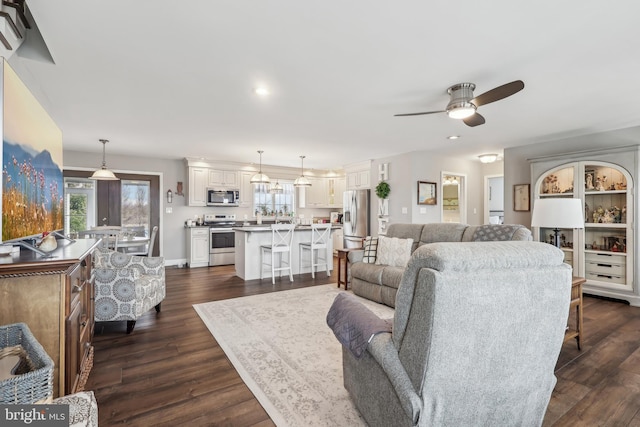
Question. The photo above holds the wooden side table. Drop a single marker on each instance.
(343, 258)
(576, 303)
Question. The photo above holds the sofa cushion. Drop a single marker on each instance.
(370, 247)
(393, 251)
(368, 272)
(391, 276)
(442, 232)
(406, 231)
(496, 232)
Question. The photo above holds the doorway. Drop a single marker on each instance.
(494, 199)
(454, 197)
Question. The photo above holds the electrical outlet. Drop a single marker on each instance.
(404, 210)
(423, 210)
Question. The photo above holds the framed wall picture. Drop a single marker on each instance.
(521, 198)
(427, 193)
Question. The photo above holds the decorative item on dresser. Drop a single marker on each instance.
(55, 298)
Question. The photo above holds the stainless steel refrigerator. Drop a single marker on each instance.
(355, 217)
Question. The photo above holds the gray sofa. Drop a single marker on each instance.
(380, 282)
(475, 339)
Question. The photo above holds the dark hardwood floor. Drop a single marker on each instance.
(171, 372)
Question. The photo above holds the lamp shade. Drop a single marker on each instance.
(557, 213)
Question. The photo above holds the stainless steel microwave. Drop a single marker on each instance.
(222, 197)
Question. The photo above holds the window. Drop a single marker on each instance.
(270, 204)
(79, 209)
(134, 215)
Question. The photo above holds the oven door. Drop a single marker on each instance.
(222, 249)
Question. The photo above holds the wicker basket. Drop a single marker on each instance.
(33, 386)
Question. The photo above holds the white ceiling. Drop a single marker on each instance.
(175, 79)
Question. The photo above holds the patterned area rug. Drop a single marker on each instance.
(284, 351)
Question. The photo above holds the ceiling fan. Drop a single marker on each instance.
(463, 104)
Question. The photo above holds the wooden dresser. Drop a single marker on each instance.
(55, 298)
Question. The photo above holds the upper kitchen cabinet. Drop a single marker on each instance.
(359, 176)
(198, 181)
(359, 180)
(603, 251)
(246, 189)
(336, 188)
(323, 193)
(222, 178)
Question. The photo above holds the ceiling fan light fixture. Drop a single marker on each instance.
(301, 181)
(488, 158)
(461, 110)
(260, 178)
(104, 174)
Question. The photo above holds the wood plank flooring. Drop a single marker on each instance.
(171, 372)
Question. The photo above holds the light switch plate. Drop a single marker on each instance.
(423, 210)
(404, 210)
(168, 210)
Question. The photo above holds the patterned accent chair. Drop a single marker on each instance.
(127, 286)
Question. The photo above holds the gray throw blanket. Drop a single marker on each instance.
(495, 232)
(354, 324)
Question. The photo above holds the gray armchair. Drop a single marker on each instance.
(127, 286)
(477, 332)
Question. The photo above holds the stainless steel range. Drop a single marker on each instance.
(222, 248)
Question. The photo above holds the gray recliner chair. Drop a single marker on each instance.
(477, 331)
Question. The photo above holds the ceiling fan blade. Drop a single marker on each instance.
(498, 93)
(475, 120)
(419, 114)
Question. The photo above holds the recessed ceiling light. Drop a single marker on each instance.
(261, 91)
(453, 137)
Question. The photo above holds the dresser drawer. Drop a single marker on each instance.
(609, 278)
(606, 268)
(597, 257)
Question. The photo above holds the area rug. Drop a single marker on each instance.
(284, 351)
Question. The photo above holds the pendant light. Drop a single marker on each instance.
(301, 181)
(260, 178)
(277, 188)
(104, 174)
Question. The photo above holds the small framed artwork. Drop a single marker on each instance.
(427, 193)
(521, 198)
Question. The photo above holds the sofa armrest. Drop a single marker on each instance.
(385, 353)
(355, 255)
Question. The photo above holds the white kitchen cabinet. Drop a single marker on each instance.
(221, 178)
(246, 189)
(603, 251)
(323, 193)
(198, 247)
(316, 195)
(197, 190)
(335, 190)
(359, 180)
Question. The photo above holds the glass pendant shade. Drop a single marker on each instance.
(260, 178)
(104, 174)
(277, 188)
(301, 181)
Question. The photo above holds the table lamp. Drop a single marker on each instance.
(557, 213)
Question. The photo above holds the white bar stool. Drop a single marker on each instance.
(320, 235)
(281, 241)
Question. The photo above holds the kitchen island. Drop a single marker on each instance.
(249, 238)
